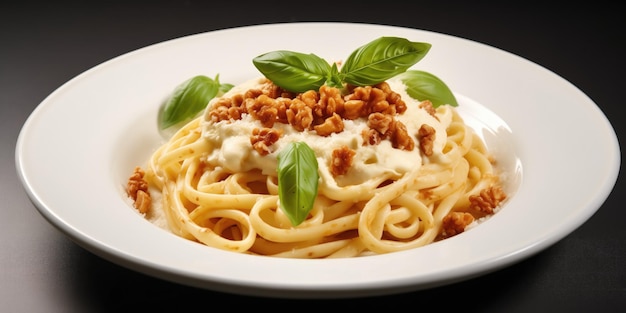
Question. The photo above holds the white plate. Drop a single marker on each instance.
(79, 146)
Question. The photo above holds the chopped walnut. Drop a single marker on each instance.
(353, 109)
(426, 135)
(253, 93)
(428, 106)
(379, 122)
(400, 138)
(367, 100)
(388, 127)
(333, 124)
(371, 137)
(341, 160)
(228, 109)
(455, 223)
(143, 202)
(263, 108)
(299, 115)
(363, 101)
(137, 190)
(487, 200)
(310, 98)
(330, 101)
(263, 138)
(273, 91)
(378, 101)
(393, 98)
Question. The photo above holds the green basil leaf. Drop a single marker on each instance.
(422, 86)
(382, 59)
(297, 181)
(188, 98)
(224, 88)
(334, 79)
(293, 71)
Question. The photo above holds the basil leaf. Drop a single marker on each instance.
(421, 86)
(188, 98)
(293, 71)
(297, 181)
(334, 79)
(382, 59)
(224, 88)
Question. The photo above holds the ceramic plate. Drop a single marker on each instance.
(559, 153)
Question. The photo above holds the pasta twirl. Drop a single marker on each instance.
(394, 173)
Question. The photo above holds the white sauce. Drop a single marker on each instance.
(233, 151)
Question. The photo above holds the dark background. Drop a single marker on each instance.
(43, 45)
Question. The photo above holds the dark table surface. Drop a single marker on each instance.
(43, 45)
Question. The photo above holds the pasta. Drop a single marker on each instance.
(394, 173)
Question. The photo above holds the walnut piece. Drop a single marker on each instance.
(428, 106)
(426, 135)
(263, 138)
(137, 190)
(487, 200)
(455, 222)
(341, 160)
(333, 124)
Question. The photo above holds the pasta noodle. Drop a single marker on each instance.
(395, 173)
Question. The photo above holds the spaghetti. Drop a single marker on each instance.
(394, 173)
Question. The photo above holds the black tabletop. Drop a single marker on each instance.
(43, 45)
